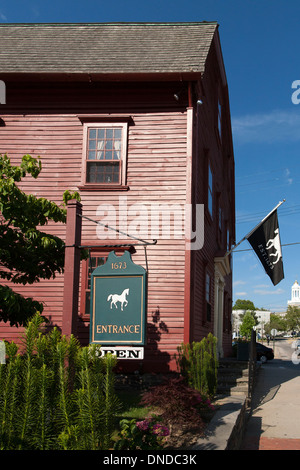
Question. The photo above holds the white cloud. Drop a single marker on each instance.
(2, 17)
(287, 174)
(275, 126)
(240, 294)
(269, 291)
(238, 283)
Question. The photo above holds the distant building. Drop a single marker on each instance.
(263, 317)
(295, 301)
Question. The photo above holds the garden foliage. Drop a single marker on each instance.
(56, 394)
(141, 435)
(27, 253)
(198, 364)
(177, 401)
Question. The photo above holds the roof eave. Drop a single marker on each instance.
(100, 77)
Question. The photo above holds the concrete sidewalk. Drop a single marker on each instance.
(274, 423)
(226, 427)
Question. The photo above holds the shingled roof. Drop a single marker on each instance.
(105, 48)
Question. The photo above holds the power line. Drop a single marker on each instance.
(266, 172)
(290, 210)
(250, 249)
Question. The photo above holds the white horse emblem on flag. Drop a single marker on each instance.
(115, 298)
(275, 243)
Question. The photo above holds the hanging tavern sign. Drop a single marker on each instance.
(118, 302)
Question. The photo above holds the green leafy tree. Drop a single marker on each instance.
(277, 323)
(247, 324)
(293, 318)
(241, 304)
(27, 254)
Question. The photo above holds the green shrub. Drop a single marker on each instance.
(56, 394)
(141, 435)
(178, 402)
(198, 364)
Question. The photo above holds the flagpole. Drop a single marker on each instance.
(253, 230)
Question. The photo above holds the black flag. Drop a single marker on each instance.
(265, 241)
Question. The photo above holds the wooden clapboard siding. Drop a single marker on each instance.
(152, 157)
(57, 139)
(160, 149)
(156, 176)
(169, 145)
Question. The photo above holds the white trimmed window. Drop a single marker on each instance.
(104, 154)
(210, 191)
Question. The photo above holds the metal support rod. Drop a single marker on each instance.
(119, 231)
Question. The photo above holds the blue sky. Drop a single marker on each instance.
(260, 42)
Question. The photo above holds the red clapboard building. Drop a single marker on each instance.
(136, 118)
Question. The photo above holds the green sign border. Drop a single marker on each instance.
(121, 267)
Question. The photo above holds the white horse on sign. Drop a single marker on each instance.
(115, 298)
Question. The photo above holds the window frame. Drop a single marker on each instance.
(210, 199)
(123, 159)
(220, 112)
(208, 299)
(84, 279)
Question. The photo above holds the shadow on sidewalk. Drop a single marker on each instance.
(252, 437)
(271, 377)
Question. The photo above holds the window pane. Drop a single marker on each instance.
(101, 134)
(210, 204)
(87, 302)
(103, 172)
(109, 133)
(209, 177)
(210, 191)
(92, 133)
(207, 288)
(109, 145)
(118, 134)
(94, 262)
(92, 155)
(91, 176)
(92, 144)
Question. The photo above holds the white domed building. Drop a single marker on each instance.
(295, 301)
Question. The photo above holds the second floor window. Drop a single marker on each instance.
(105, 154)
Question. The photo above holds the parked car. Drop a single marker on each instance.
(263, 353)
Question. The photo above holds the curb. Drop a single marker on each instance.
(226, 429)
